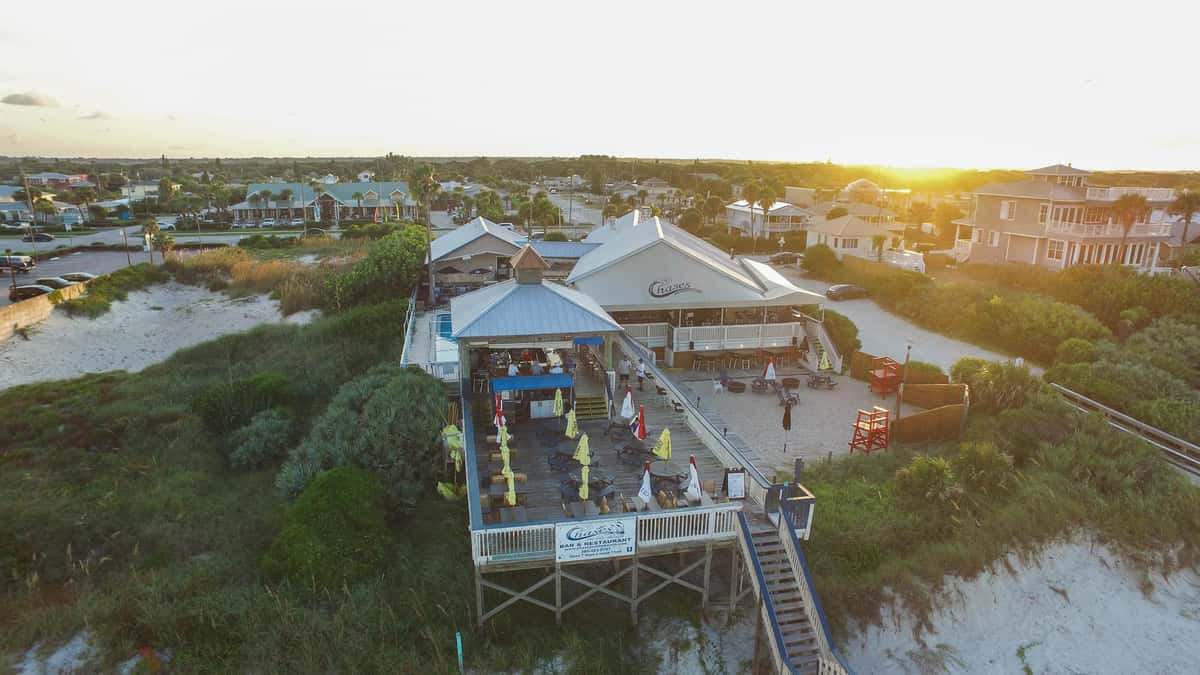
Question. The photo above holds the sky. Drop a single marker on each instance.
(1012, 84)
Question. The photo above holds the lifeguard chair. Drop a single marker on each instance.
(870, 430)
(885, 375)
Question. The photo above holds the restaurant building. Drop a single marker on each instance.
(683, 298)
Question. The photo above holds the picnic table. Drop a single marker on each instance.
(668, 472)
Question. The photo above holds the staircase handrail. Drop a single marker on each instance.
(760, 584)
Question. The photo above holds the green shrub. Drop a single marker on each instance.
(226, 406)
(819, 260)
(982, 467)
(556, 236)
(1021, 432)
(995, 386)
(268, 241)
(1180, 417)
(387, 421)
(371, 230)
(920, 372)
(390, 270)
(105, 290)
(1075, 350)
(333, 534)
(262, 441)
(843, 332)
(927, 480)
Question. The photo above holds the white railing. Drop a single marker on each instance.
(1115, 193)
(1108, 229)
(409, 324)
(822, 335)
(748, 336)
(650, 334)
(830, 660)
(655, 529)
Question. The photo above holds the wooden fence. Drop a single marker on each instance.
(930, 396)
(939, 424)
(860, 366)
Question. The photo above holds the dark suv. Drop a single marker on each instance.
(21, 263)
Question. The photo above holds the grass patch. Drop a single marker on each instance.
(238, 271)
(102, 292)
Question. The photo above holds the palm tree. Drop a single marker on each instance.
(266, 197)
(423, 185)
(750, 194)
(766, 199)
(877, 242)
(286, 195)
(358, 197)
(713, 206)
(316, 192)
(641, 195)
(254, 200)
(45, 208)
(1128, 209)
(150, 227)
(86, 196)
(1186, 204)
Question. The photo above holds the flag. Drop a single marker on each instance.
(558, 403)
(572, 424)
(646, 493)
(627, 404)
(769, 370)
(694, 491)
(662, 449)
(584, 475)
(498, 419)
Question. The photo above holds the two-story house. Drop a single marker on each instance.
(1055, 219)
(781, 217)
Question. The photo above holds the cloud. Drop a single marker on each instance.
(93, 116)
(172, 118)
(30, 98)
(12, 139)
(177, 147)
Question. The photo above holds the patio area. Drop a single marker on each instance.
(535, 443)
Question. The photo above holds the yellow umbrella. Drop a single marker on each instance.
(454, 442)
(583, 453)
(502, 436)
(510, 497)
(507, 470)
(558, 404)
(572, 424)
(662, 449)
(583, 483)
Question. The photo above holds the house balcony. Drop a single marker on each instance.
(1111, 194)
(1108, 230)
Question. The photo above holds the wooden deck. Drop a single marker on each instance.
(535, 441)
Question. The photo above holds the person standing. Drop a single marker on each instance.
(641, 373)
(623, 370)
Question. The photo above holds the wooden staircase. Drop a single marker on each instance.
(799, 640)
(590, 408)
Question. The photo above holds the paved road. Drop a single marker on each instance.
(96, 262)
(885, 334)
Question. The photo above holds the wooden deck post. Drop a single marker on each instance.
(633, 592)
(558, 604)
(478, 597)
(735, 579)
(708, 551)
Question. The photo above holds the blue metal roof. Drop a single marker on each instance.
(562, 249)
(510, 309)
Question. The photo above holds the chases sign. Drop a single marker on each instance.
(663, 288)
(594, 540)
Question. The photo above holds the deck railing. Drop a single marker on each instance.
(493, 544)
(766, 608)
(747, 336)
(649, 334)
(409, 324)
(831, 660)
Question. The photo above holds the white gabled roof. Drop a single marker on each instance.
(511, 309)
(744, 206)
(605, 232)
(452, 241)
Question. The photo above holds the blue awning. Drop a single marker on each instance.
(592, 340)
(527, 382)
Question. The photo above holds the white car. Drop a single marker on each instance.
(298, 221)
(166, 226)
(242, 226)
(267, 222)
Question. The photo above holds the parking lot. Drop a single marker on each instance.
(96, 262)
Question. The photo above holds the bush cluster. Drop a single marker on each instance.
(262, 441)
(920, 372)
(226, 406)
(103, 291)
(995, 385)
(390, 270)
(334, 533)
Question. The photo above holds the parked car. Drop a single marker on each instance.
(783, 258)
(78, 276)
(845, 292)
(55, 282)
(242, 226)
(267, 222)
(314, 232)
(19, 293)
(22, 263)
(14, 226)
(37, 236)
(166, 224)
(299, 222)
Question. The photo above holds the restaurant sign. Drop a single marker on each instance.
(595, 539)
(663, 288)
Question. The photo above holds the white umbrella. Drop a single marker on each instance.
(627, 404)
(646, 493)
(693, 489)
(769, 371)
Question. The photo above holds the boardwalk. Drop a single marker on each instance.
(543, 499)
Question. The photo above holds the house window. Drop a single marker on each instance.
(849, 243)
(1043, 214)
(1055, 249)
(994, 238)
(977, 236)
(1008, 209)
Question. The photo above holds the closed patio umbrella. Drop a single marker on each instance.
(646, 493)
(572, 424)
(662, 449)
(769, 370)
(558, 403)
(694, 491)
(824, 363)
(583, 453)
(638, 425)
(584, 475)
(510, 495)
(787, 423)
(498, 419)
(454, 443)
(627, 404)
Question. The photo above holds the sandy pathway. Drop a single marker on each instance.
(141, 331)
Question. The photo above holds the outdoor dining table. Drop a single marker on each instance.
(669, 472)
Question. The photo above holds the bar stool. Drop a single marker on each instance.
(745, 361)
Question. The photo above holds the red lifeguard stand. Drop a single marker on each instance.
(885, 375)
(870, 430)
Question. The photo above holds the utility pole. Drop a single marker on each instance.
(128, 258)
(12, 269)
